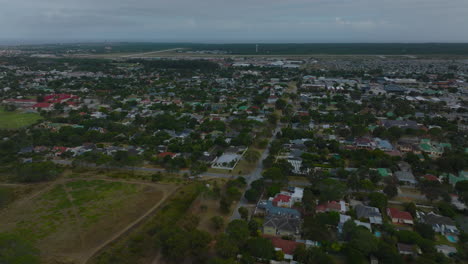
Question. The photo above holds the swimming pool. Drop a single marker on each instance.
(451, 238)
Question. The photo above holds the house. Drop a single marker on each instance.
(430, 177)
(453, 179)
(297, 194)
(368, 212)
(446, 250)
(440, 224)
(271, 210)
(164, 154)
(400, 217)
(286, 246)
(384, 172)
(282, 200)
(42, 106)
(272, 99)
(406, 249)
(364, 143)
(399, 123)
(393, 88)
(281, 226)
(406, 177)
(333, 206)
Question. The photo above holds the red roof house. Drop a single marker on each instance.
(282, 200)
(42, 106)
(332, 206)
(431, 177)
(400, 217)
(164, 154)
(287, 246)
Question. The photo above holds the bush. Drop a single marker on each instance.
(37, 172)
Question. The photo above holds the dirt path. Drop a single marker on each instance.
(166, 194)
(165, 189)
(76, 214)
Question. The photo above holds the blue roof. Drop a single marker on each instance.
(273, 210)
(384, 144)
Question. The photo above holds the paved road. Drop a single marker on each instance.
(139, 55)
(254, 175)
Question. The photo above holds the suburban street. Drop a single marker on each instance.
(254, 175)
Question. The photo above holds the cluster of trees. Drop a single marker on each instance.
(232, 193)
(37, 172)
(256, 188)
(242, 237)
(184, 241)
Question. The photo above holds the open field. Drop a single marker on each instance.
(139, 244)
(16, 120)
(72, 218)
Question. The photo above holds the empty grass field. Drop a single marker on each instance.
(16, 120)
(73, 218)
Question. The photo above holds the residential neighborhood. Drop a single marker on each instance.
(293, 160)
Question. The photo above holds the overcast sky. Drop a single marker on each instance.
(235, 20)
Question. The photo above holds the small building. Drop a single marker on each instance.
(440, 224)
(281, 226)
(333, 206)
(406, 249)
(446, 250)
(400, 217)
(406, 177)
(368, 212)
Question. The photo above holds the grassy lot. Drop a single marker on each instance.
(16, 120)
(72, 218)
(140, 246)
(80, 172)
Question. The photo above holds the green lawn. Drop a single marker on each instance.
(16, 120)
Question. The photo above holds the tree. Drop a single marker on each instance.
(199, 241)
(424, 230)
(217, 222)
(37, 171)
(224, 205)
(378, 200)
(446, 209)
(331, 190)
(238, 231)
(410, 208)
(275, 174)
(16, 250)
(261, 248)
(226, 247)
(387, 253)
(252, 156)
(252, 195)
(390, 190)
(280, 104)
(244, 213)
(363, 240)
(311, 255)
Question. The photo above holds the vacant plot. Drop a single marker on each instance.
(206, 206)
(16, 120)
(141, 244)
(74, 217)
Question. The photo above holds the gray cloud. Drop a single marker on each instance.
(236, 21)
